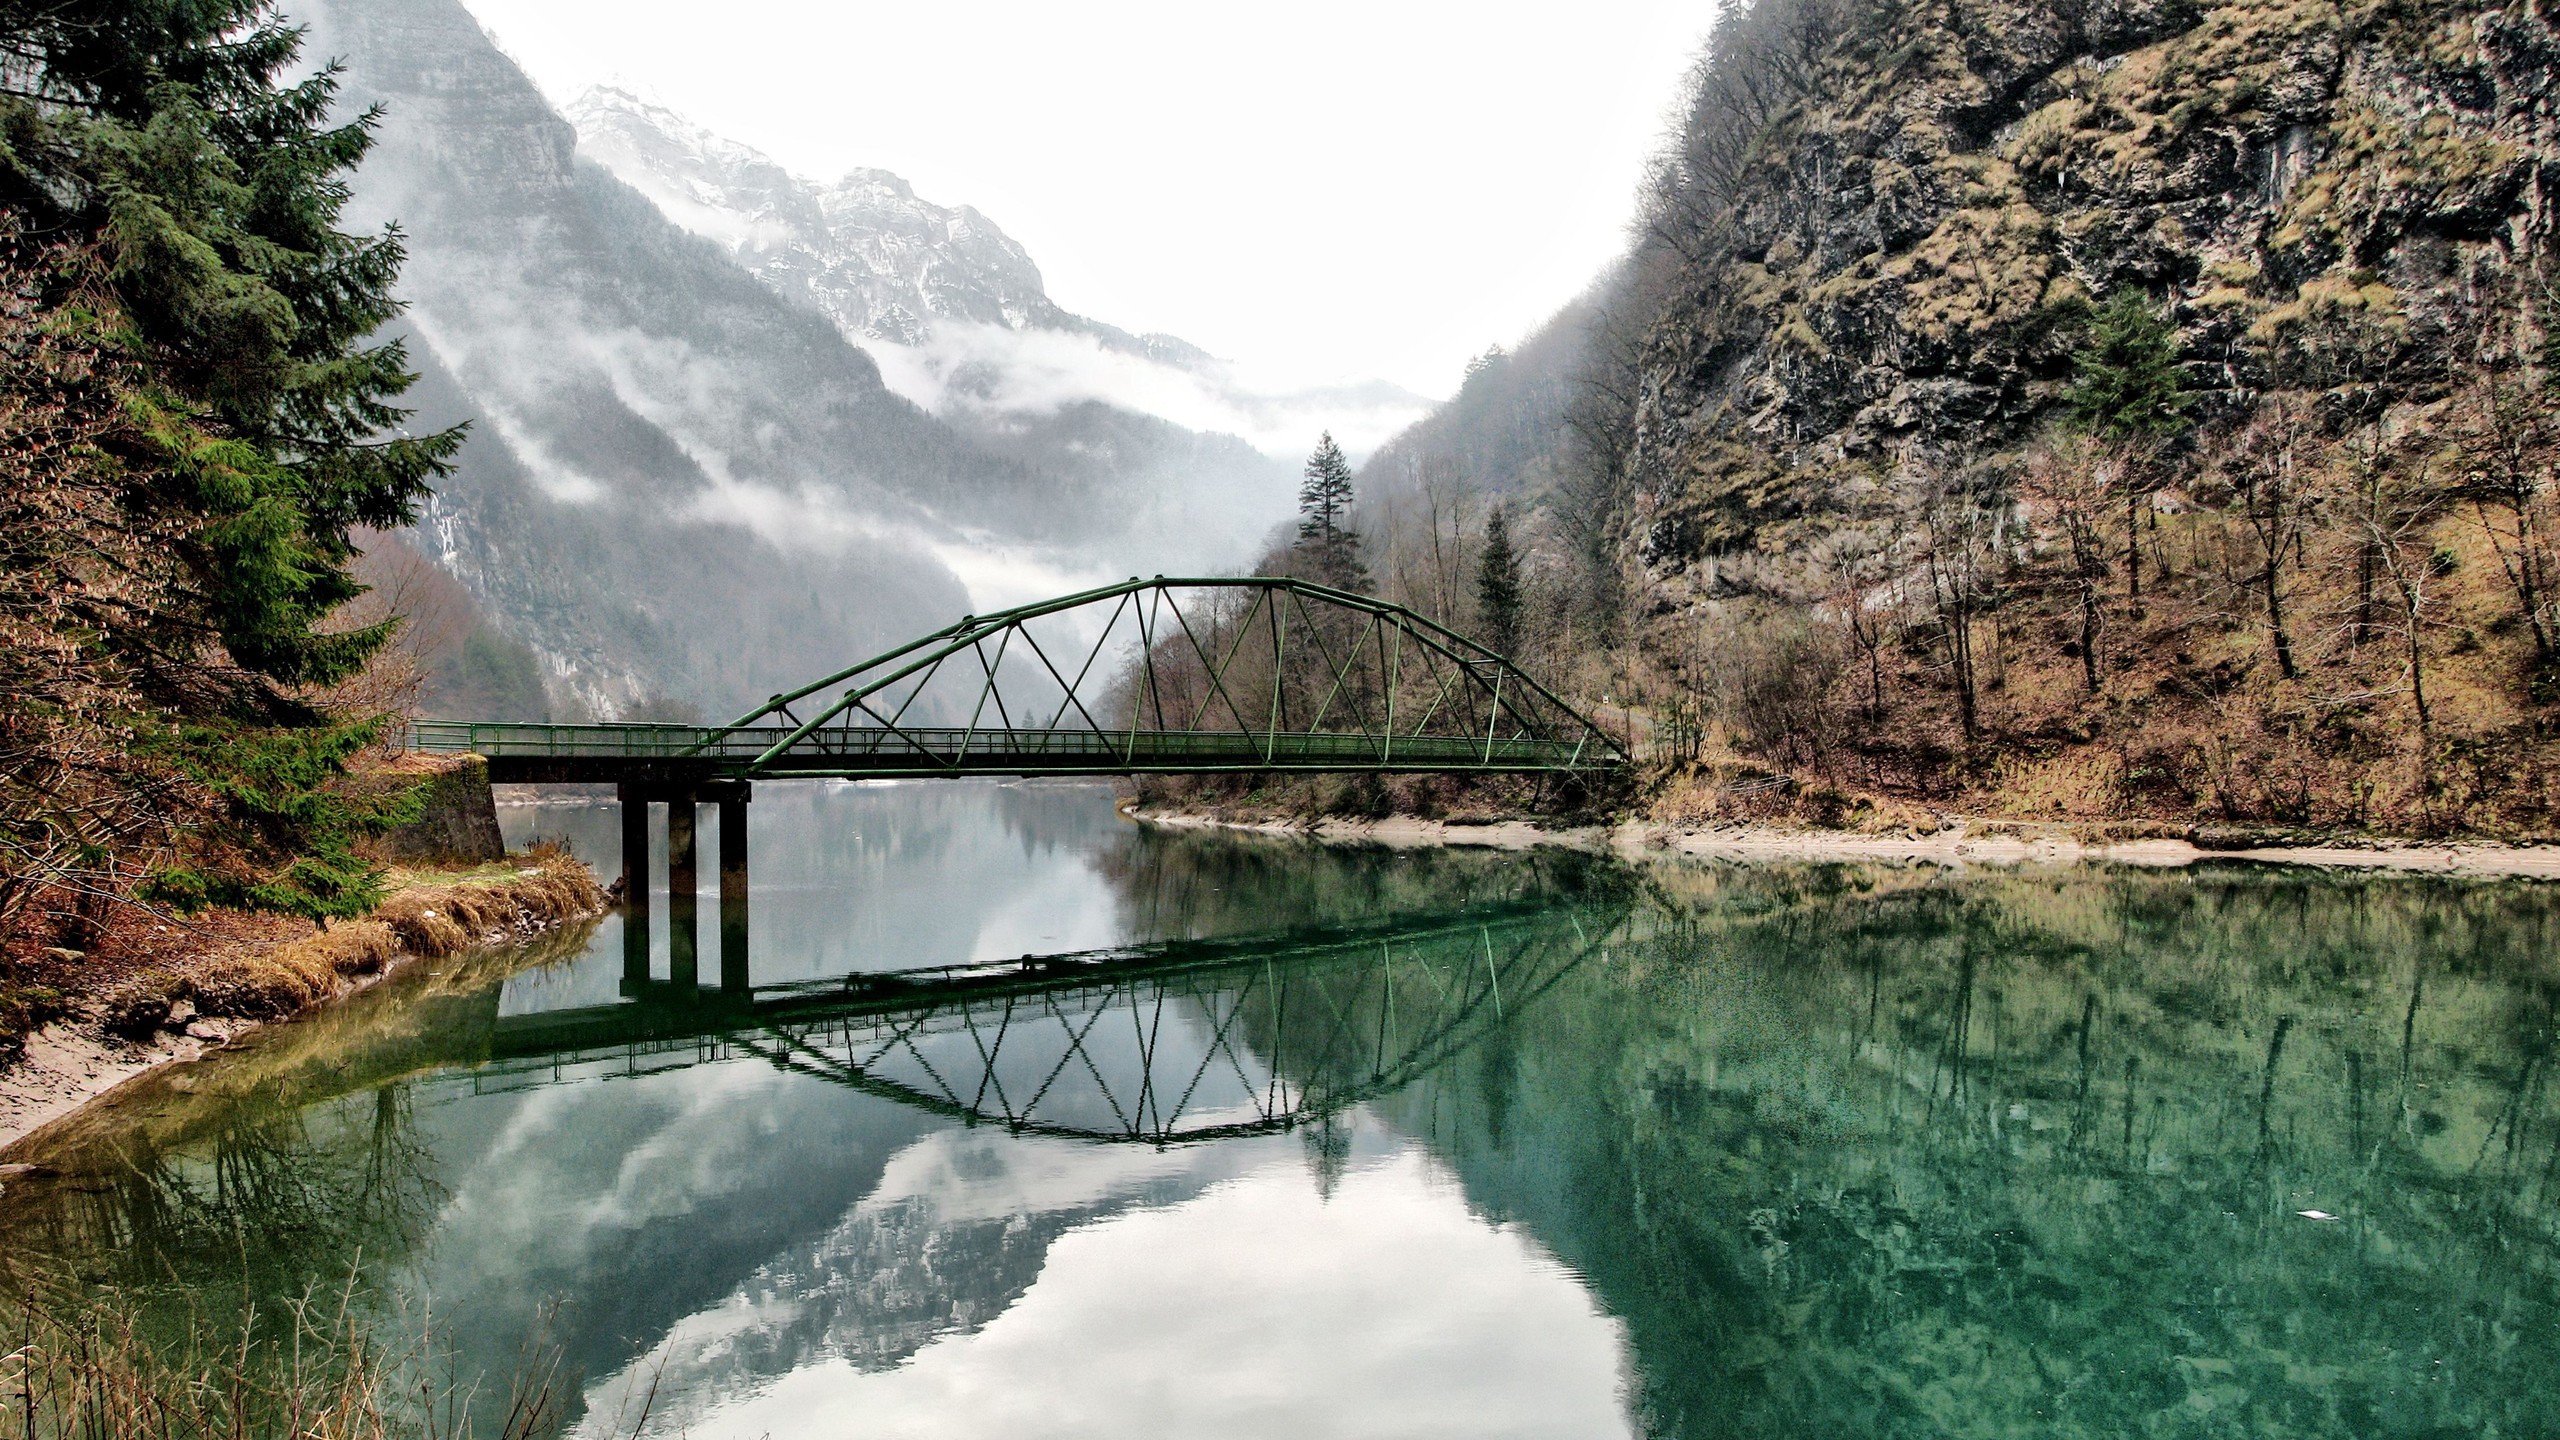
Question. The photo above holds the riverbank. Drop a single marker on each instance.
(167, 991)
(1963, 842)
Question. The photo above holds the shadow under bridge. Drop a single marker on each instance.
(1169, 1043)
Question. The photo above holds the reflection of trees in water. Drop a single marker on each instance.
(2022, 1153)
(265, 1211)
(1172, 882)
(270, 1172)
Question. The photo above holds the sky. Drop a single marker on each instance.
(1320, 192)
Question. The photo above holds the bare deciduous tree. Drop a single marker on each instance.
(2075, 487)
(1961, 533)
(2263, 471)
(2510, 451)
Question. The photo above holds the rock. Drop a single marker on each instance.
(181, 1013)
(459, 820)
(213, 1030)
(1834, 300)
(65, 953)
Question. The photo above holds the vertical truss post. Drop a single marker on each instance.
(1388, 670)
(1279, 680)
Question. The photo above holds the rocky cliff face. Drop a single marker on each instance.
(1857, 525)
(1884, 268)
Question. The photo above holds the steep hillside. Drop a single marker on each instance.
(1885, 248)
(2081, 410)
(677, 489)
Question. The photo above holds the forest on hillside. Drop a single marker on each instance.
(2055, 411)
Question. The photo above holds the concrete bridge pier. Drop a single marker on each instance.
(684, 971)
(683, 801)
(733, 797)
(634, 801)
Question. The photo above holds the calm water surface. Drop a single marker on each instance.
(1401, 1144)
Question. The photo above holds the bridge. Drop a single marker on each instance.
(1261, 675)
(1162, 676)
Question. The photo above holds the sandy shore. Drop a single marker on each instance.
(69, 1063)
(2004, 844)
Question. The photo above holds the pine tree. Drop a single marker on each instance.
(2128, 390)
(1327, 545)
(168, 220)
(2126, 386)
(1498, 587)
(160, 138)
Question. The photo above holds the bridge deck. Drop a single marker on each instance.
(563, 753)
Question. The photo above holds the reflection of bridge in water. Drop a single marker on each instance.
(1162, 1044)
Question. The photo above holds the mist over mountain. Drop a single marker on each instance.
(953, 309)
(687, 487)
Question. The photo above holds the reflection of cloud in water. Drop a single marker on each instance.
(540, 1200)
(970, 1175)
(1204, 1291)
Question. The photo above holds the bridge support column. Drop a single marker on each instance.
(734, 976)
(683, 971)
(635, 886)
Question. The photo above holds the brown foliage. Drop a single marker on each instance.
(84, 805)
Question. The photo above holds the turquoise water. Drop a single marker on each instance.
(1441, 1142)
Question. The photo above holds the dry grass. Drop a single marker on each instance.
(79, 1367)
(430, 916)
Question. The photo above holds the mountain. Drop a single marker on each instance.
(864, 250)
(686, 488)
(954, 309)
(678, 490)
(2083, 410)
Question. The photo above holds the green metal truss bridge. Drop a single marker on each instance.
(1171, 677)
(1161, 676)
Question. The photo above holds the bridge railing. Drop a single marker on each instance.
(954, 748)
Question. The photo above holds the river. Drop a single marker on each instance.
(1441, 1142)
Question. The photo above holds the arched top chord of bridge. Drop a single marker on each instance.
(1161, 676)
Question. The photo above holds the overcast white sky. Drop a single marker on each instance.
(1325, 190)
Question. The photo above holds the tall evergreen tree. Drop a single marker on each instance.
(2128, 390)
(169, 200)
(1327, 545)
(1498, 586)
(2126, 384)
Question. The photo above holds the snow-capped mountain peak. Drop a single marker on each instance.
(952, 308)
(882, 262)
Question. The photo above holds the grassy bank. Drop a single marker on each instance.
(155, 988)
